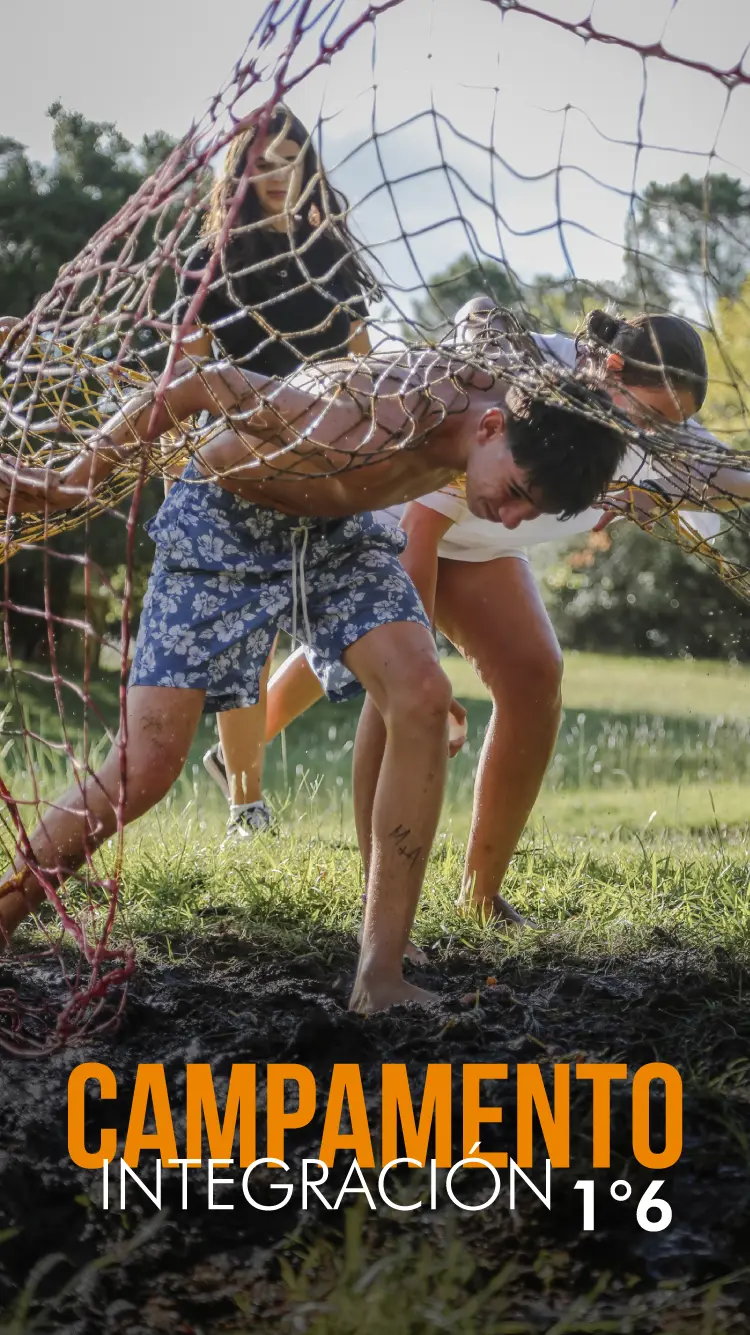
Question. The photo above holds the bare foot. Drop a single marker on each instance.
(412, 953)
(18, 899)
(8, 924)
(12, 911)
(497, 909)
(369, 997)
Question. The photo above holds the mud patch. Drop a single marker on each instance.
(222, 1000)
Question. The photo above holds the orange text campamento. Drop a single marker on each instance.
(408, 1118)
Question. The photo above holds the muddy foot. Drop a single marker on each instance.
(369, 997)
(16, 903)
(412, 953)
(8, 920)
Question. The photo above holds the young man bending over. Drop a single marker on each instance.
(249, 536)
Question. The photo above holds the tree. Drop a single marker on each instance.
(561, 304)
(688, 238)
(465, 278)
(546, 302)
(625, 591)
(728, 355)
(47, 214)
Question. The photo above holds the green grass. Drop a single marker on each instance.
(670, 687)
(644, 762)
(383, 1280)
(644, 744)
(181, 882)
(590, 896)
(643, 816)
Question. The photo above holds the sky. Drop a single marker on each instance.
(474, 110)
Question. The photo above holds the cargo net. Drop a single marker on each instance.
(551, 159)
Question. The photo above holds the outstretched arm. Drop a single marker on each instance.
(718, 483)
(273, 434)
(424, 528)
(728, 488)
(133, 429)
(696, 488)
(304, 445)
(686, 483)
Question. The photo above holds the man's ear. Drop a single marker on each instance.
(492, 424)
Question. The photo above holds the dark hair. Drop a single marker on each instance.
(566, 439)
(323, 210)
(656, 350)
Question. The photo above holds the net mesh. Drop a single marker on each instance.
(504, 165)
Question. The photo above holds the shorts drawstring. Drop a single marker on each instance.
(298, 580)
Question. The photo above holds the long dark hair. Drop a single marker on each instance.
(656, 350)
(321, 220)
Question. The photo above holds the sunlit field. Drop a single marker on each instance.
(643, 816)
(644, 745)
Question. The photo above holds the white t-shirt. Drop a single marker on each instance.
(474, 539)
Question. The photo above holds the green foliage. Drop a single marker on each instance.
(458, 283)
(392, 1281)
(357, 1289)
(49, 212)
(689, 235)
(545, 303)
(553, 305)
(636, 594)
(728, 354)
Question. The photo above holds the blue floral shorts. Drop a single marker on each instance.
(228, 574)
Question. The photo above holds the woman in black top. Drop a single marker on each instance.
(287, 287)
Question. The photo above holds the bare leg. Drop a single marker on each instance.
(398, 666)
(292, 689)
(369, 746)
(493, 613)
(242, 733)
(161, 724)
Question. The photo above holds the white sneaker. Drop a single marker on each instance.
(253, 819)
(213, 763)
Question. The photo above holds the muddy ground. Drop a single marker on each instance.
(222, 1001)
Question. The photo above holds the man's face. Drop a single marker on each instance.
(496, 488)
